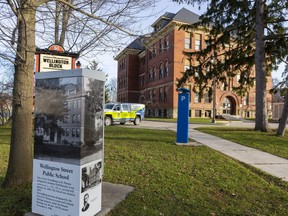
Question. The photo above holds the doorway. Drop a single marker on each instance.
(229, 105)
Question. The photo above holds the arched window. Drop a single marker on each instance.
(166, 69)
(161, 72)
(154, 73)
(150, 75)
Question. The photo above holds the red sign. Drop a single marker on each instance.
(57, 48)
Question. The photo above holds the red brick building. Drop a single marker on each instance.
(147, 74)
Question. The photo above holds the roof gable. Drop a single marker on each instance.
(183, 15)
(186, 16)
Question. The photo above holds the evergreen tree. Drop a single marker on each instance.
(94, 65)
(243, 35)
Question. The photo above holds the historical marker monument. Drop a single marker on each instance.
(68, 149)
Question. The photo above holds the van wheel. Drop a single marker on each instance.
(108, 121)
(122, 123)
(137, 120)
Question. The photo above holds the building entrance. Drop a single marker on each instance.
(229, 105)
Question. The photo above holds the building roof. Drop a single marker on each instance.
(183, 15)
(186, 16)
(136, 44)
(167, 16)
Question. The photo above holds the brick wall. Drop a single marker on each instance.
(141, 85)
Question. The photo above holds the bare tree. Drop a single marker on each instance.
(282, 87)
(6, 87)
(94, 65)
(112, 85)
(82, 26)
(89, 27)
(5, 100)
(5, 108)
(284, 118)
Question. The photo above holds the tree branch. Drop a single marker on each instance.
(96, 17)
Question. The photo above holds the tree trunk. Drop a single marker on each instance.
(57, 15)
(283, 119)
(20, 159)
(66, 12)
(261, 121)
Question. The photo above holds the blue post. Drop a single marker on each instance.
(183, 115)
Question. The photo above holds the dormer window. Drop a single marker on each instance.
(156, 28)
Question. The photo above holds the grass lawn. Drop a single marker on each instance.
(267, 142)
(16, 201)
(175, 180)
(169, 179)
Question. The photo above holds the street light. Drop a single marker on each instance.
(78, 65)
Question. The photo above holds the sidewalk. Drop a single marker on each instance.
(266, 162)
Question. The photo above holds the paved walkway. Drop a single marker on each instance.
(266, 162)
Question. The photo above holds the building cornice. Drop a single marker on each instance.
(127, 51)
(160, 33)
(142, 54)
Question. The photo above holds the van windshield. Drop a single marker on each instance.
(109, 106)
